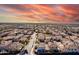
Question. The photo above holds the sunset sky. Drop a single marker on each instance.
(39, 13)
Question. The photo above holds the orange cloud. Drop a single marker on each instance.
(41, 12)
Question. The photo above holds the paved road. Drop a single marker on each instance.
(31, 43)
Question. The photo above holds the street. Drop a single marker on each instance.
(31, 43)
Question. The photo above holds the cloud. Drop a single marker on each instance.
(42, 12)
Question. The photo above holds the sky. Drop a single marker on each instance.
(39, 13)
